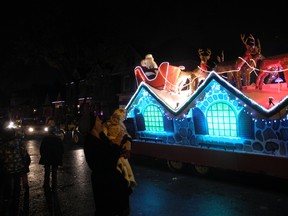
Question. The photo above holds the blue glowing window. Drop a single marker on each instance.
(221, 120)
(153, 119)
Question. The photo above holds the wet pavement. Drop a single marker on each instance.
(74, 195)
(159, 192)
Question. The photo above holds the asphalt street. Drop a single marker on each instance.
(159, 192)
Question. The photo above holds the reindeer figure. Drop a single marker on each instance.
(251, 65)
(232, 69)
(270, 66)
(196, 76)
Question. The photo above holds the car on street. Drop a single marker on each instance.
(33, 127)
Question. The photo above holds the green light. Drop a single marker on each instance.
(153, 119)
(221, 120)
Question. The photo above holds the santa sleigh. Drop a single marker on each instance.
(165, 79)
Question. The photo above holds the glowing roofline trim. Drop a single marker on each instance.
(213, 76)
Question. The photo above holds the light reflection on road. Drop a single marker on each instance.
(159, 191)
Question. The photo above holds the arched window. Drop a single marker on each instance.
(153, 118)
(221, 120)
(199, 122)
(247, 126)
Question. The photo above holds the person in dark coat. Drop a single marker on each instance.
(51, 152)
(14, 164)
(110, 188)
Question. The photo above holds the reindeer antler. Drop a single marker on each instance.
(251, 47)
(200, 52)
(245, 42)
(259, 46)
(204, 58)
(209, 54)
(221, 59)
(252, 40)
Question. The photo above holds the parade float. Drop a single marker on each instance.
(212, 122)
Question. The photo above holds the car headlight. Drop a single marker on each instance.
(46, 129)
(11, 124)
(30, 129)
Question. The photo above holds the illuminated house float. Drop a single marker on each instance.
(216, 126)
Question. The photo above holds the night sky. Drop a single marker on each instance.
(170, 31)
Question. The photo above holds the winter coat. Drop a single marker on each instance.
(14, 157)
(110, 188)
(51, 151)
(101, 154)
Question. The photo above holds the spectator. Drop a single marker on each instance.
(111, 190)
(14, 162)
(51, 152)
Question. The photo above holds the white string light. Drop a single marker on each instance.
(223, 72)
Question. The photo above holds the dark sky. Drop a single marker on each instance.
(171, 31)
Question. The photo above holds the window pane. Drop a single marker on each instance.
(221, 120)
(153, 119)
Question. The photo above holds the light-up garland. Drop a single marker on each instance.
(264, 109)
(191, 81)
(229, 71)
(215, 89)
(253, 68)
(255, 104)
(144, 100)
(236, 105)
